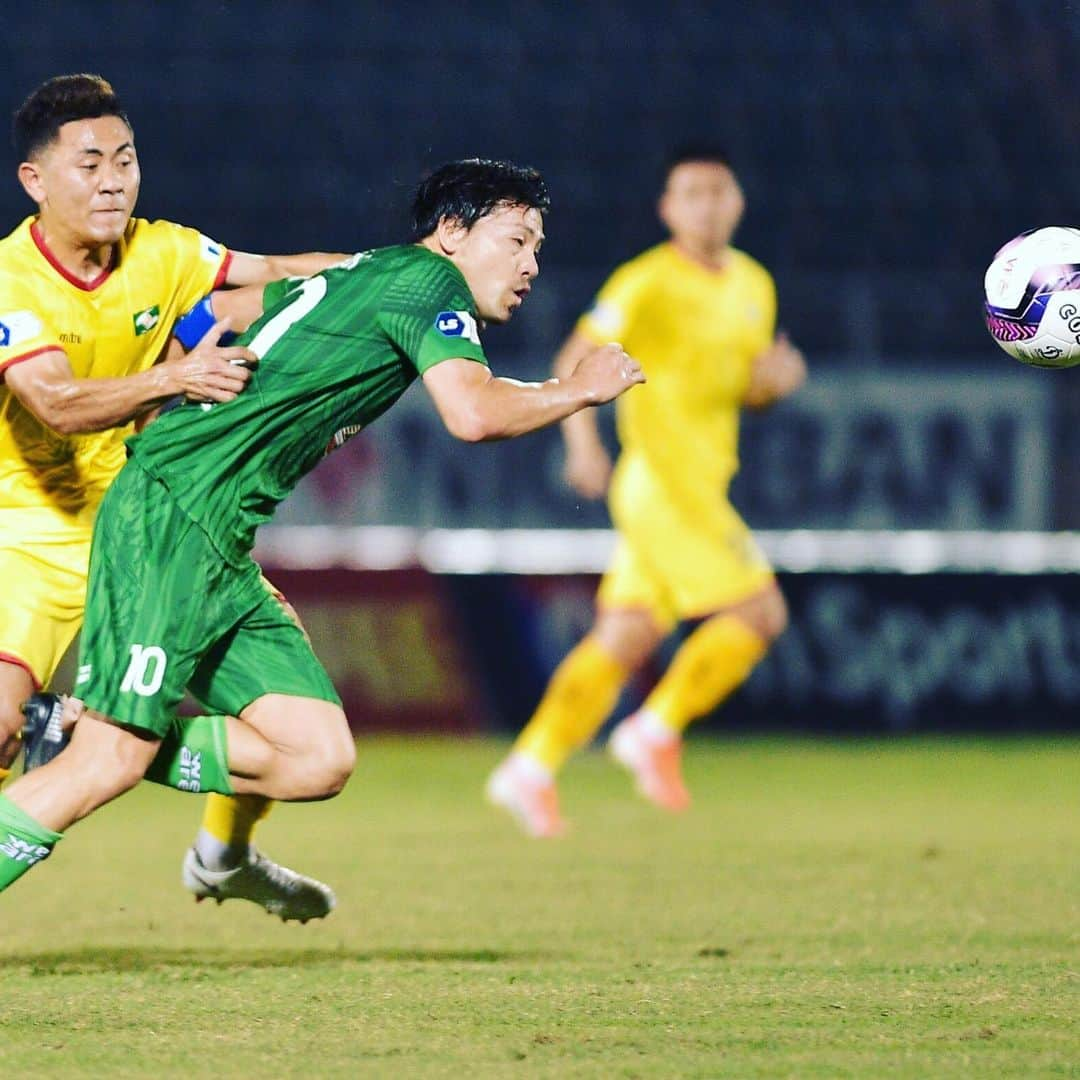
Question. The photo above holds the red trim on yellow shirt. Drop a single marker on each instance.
(86, 286)
(8, 658)
(223, 273)
(26, 356)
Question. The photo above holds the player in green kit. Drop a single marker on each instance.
(175, 599)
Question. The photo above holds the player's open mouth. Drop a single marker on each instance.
(522, 293)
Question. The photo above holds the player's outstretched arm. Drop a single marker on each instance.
(587, 468)
(46, 385)
(477, 406)
(247, 269)
(778, 371)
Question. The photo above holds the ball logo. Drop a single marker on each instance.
(1071, 316)
(1032, 293)
(5, 335)
(457, 324)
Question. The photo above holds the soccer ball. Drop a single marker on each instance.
(1032, 307)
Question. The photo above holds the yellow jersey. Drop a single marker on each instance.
(114, 326)
(696, 332)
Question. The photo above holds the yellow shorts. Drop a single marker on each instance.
(44, 591)
(674, 562)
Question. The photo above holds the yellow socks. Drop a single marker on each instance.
(578, 698)
(715, 659)
(227, 827)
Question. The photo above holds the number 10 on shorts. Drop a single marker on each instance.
(145, 670)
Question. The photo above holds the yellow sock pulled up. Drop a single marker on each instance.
(712, 662)
(581, 693)
(231, 819)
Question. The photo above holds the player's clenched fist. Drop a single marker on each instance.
(211, 372)
(778, 371)
(607, 372)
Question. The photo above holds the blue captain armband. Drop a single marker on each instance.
(191, 328)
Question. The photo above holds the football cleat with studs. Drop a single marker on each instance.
(281, 891)
(42, 735)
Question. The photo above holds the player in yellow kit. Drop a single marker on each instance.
(88, 296)
(699, 315)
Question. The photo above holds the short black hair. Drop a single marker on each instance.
(702, 150)
(56, 102)
(467, 190)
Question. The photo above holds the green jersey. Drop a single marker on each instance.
(335, 350)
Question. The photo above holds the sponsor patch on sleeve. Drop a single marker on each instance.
(209, 249)
(17, 327)
(457, 324)
(606, 317)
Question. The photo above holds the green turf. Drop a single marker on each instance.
(826, 909)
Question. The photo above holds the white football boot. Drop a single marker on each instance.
(528, 793)
(654, 758)
(278, 889)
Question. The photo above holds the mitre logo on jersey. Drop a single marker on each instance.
(145, 321)
(17, 327)
(457, 324)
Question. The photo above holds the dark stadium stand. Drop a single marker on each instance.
(857, 128)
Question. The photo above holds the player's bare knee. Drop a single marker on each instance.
(766, 613)
(774, 618)
(335, 761)
(333, 783)
(631, 637)
(318, 768)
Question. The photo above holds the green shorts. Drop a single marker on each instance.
(165, 612)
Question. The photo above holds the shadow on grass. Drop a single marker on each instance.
(121, 958)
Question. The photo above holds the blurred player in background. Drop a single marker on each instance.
(700, 316)
(174, 598)
(88, 295)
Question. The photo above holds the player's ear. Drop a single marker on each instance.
(450, 233)
(662, 209)
(30, 178)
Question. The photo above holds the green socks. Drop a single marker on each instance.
(193, 756)
(23, 842)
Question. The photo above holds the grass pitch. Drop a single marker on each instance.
(825, 909)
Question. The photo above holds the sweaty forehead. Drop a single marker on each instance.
(515, 215)
(104, 133)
